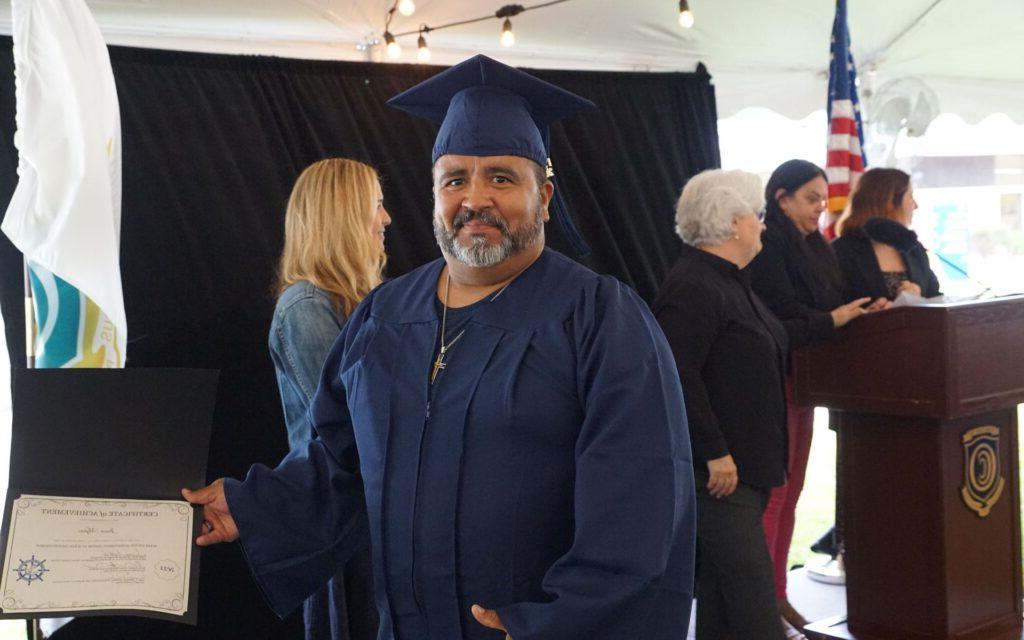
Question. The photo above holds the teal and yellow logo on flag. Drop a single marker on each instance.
(65, 214)
(71, 330)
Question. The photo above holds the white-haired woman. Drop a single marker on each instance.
(333, 256)
(730, 351)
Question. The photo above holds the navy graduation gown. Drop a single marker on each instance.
(546, 474)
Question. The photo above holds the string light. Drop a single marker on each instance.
(506, 12)
(393, 48)
(368, 43)
(507, 37)
(685, 15)
(406, 7)
(422, 52)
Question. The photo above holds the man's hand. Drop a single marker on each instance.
(218, 525)
(489, 618)
(724, 476)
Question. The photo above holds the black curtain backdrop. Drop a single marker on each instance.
(212, 145)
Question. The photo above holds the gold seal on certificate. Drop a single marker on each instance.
(80, 554)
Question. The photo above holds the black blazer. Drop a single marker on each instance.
(730, 352)
(862, 276)
(790, 280)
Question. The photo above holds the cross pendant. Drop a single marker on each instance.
(438, 365)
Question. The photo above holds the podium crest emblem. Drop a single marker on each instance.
(983, 480)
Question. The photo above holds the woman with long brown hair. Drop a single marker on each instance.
(333, 256)
(878, 254)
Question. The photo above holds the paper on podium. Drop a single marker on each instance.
(98, 458)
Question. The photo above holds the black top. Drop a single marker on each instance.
(863, 277)
(893, 281)
(789, 278)
(730, 351)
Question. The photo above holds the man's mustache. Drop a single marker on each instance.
(466, 216)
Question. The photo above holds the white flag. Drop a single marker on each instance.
(65, 215)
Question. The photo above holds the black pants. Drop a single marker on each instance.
(735, 582)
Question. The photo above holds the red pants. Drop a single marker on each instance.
(780, 515)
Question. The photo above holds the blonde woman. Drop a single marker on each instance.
(333, 256)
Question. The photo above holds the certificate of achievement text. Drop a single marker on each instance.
(80, 554)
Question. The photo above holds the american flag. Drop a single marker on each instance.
(846, 159)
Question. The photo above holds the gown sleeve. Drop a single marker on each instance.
(630, 565)
(303, 519)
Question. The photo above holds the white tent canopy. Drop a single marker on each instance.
(761, 53)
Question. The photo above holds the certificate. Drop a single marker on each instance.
(81, 554)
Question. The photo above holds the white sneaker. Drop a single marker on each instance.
(831, 572)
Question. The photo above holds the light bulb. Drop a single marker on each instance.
(394, 51)
(406, 7)
(422, 51)
(685, 15)
(507, 37)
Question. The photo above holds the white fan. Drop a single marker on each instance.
(900, 105)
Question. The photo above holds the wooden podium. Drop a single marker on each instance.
(925, 402)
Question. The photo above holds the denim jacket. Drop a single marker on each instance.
(304, 327)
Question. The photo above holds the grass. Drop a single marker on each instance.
(816, 510)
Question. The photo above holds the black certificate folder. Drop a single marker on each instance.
(108, 434)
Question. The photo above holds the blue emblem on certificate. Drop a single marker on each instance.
(31, 570)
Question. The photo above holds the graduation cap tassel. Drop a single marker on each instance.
(560, 212)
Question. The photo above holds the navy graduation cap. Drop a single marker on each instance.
(486, 108)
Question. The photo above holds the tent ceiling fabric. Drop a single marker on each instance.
(761, 53)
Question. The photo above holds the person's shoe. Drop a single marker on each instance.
(792, 633)
(827, 544)
(832, 572)
(791, 615)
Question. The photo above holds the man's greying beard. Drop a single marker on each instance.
(479, 253)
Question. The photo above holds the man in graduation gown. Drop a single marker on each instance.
(506, 425)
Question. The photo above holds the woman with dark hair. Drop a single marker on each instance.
(797, 276)
(878, 255)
